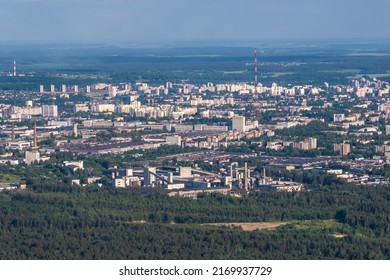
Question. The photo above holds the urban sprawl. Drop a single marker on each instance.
(193, 139)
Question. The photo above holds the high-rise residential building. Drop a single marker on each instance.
(238, 123)
(52, 88)
(41, 89)
(76, 89)
(311, 142)
(50, 111)
(344, 148)
(63, 87)
(112, 91)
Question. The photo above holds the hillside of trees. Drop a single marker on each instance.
(62, 222)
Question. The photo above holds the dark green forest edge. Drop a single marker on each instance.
(63, 222)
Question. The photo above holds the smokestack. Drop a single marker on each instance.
(35, 135)
(75, 132)
(264, 176)
(14, 68)
(246, 176)
(13, 132)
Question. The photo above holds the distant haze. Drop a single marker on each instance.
(114, 21)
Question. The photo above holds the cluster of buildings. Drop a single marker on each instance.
(29, 111)
(209, 117)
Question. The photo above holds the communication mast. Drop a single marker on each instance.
(14, 68)
(255, 96)
(256, 74)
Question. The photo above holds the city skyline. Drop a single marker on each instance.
(130, 21)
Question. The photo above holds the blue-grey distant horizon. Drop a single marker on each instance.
(182, 20)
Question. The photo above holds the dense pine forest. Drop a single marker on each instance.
(63, 222)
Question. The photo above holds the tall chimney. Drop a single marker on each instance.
(246, 176)
(13, 132)
(35, 135)
(75, 132)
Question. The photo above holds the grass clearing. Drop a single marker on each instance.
(9, 179)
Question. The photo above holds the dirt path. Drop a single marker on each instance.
(251, 226)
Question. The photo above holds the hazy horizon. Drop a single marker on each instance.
(136, 21)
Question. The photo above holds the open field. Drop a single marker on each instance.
(332, 225)
(252, 226)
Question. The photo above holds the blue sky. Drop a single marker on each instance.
(189, 20)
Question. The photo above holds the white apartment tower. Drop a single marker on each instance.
(112, 91)
(238, 123)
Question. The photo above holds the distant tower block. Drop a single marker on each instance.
(238, 124)
(50, 111)
(63, 88)
(52, 88)
(29, 103)
(75, 131)
(76, 89)
(41, 88)
(88, 89)
(112, 91)
(14, 68)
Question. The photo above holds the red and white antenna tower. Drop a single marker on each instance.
(255, 64)
(14, 68)
(256, 105)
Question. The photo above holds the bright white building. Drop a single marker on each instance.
(238, 123)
